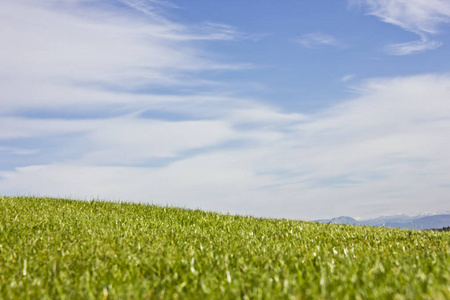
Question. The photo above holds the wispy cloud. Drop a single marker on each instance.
(225, 32)
(413, 47)
(347, 77)
(94, 51)
(422, 17)
(317, 39)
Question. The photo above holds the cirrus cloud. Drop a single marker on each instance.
(422, 17)
(317, 39)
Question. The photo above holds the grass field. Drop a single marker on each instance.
(54, 248)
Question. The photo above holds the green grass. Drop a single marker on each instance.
(54, 248)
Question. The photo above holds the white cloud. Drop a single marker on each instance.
(383, 152)
(88, 56)
(128, 141)
(317, 39)
(412, 47)
(422, 17)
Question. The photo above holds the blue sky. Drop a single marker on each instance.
(301, 109)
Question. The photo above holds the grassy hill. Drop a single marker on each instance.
(54, 248)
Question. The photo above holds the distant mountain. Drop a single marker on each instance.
(399, 221)
(340, 220)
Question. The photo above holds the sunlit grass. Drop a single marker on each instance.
(53, 248)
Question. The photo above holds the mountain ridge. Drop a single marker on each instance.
(400, 221)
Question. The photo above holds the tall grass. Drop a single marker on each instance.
(54, 248)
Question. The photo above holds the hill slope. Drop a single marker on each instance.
(52, 248)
